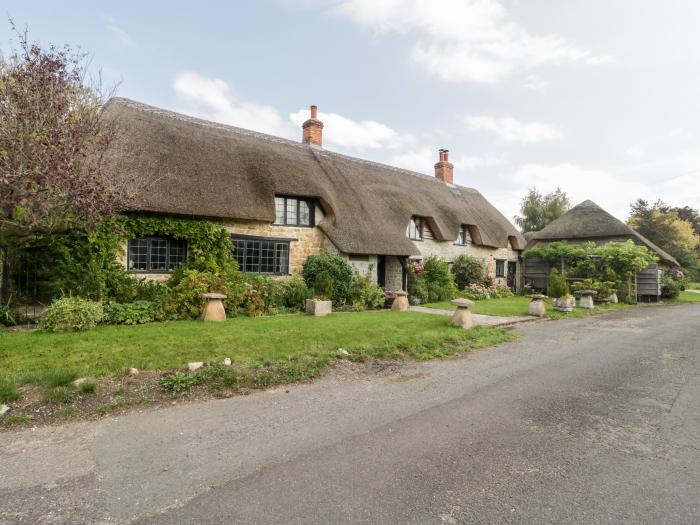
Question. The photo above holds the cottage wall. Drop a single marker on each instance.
(449, 251)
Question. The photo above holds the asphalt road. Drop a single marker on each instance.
(581, 421)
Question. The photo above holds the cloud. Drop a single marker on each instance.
(464, 40)
(635, 152)
(423, 160)
(122, 36)
(213, 99)
(535, 83)
(345, 133)
(508, 129)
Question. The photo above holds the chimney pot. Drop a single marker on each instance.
(312, 129)
(444, 170)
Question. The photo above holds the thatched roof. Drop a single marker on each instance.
(589, 221)
(199, 168)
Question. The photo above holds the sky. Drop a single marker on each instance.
(598, 97)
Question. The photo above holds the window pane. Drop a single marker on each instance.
(282, 258)
(460, 236)
(252, 256)
(178, 251)
(304, 214)
(239, 253)
(279, 210)
(267, 257)
(291, 211)
(158, 256)
(137, 255)
(500, 271)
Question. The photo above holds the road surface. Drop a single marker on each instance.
(591, 420)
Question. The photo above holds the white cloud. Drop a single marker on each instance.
(635, 152)
(213, 99)
(508, 129)
(346, 133)
(423, 160)
(464, 40)
(124, 38)
(536, 83)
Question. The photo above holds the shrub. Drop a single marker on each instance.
(179, 382)
(262, 295)
(339, 270)
(138, 312)
(556, 285)
(70, 314)
(604, 289)
(323, 285)
(671, 287)
(439, 280)
(365, 293)
(468, 270)
(186, 299)
(478, 292)
(294, 293)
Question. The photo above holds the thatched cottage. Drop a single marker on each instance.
(589, 222)
(284, 200)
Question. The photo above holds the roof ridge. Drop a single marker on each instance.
(272, 138)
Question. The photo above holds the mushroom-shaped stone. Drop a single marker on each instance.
(586, 300)
(214, 307)
(400, 304)
(536, 306)
(462, 316)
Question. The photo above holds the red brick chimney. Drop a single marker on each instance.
(444, 168)
(312, 129)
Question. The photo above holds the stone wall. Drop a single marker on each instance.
(449, 251)
(393, 273)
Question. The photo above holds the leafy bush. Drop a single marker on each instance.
(604, 289)
(71, 314)
(323, 286)
(339, 270)
(478, 292)
(556, 285)
(262, 295)
(178, 382)
(468, 270)
(365, 293)
(138, 312)
(294, 293)
(671, 287)
(186, 300)
(439, 280)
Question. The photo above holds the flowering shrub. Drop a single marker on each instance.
(478, 292)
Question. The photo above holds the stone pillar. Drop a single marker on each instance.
(586, 300)
(400, 304)
(536, 306)
(462, 316)
(214, 308)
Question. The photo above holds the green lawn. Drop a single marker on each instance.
(694, 286)
(295, 340)
(517, 305)
(689, 297)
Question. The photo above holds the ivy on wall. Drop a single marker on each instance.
(87, 264)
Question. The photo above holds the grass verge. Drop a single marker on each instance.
(263, 351)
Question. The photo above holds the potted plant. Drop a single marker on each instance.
(320, 304)
(558, 291)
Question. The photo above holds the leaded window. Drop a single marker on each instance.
(155, 254)
(415, 229)
(463, 237)
(500, 268)
(290, 211)
(259, 255)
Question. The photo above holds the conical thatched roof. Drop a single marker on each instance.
(589, 221)
(199, 168)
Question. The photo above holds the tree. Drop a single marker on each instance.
(538, 210)
(53, 139)
(665, 227)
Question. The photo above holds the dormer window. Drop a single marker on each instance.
(292, 211)
(463, 237)
(415, 229)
